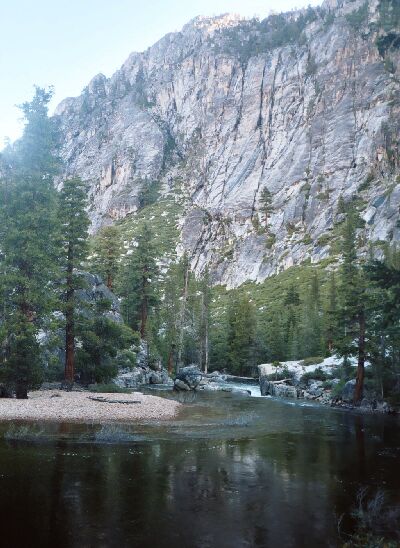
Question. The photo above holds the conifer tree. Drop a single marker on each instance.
(331, 313)
(106, 254)
(205, 300)
(140, 282)
(242, 325)
(266, 203)
(311, 331)
(74, 233)
(28, 237)
(291, 337)
(352, 308)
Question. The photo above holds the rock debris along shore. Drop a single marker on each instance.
(86, 407)
(304, 382)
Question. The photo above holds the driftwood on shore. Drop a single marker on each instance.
(107, 400)
(281, 381)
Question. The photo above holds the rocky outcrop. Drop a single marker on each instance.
(189, 378)
(141, 375)
(278, 389)
(227, 109)
(301, 384)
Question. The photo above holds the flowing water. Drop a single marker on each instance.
(230, 471)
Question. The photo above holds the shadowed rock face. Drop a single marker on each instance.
(308, 120)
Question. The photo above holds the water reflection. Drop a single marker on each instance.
(230, 472)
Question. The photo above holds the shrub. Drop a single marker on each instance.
(357, 18)
(313, 360)
(338, 389)
(367, 183)
(270, 241)
(281, 374)
(324, 240)
(317, 375)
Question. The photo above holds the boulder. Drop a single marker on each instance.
(181, 385)
(191, 376)
(280, 390)
(139, 376)
(315, 389)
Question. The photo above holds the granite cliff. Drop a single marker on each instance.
(261, 129)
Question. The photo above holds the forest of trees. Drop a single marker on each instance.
(351, 308)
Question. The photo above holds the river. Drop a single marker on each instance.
(230, 471)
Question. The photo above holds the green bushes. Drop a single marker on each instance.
(316, 375)
(313, 360)
(281, 374)
(357, 18)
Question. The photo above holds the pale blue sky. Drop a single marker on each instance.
(66, 42)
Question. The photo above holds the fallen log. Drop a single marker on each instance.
(106, 400)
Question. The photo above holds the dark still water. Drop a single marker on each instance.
(230, 472)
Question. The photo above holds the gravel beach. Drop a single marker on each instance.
(81, 407)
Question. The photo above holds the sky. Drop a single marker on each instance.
(64, 43)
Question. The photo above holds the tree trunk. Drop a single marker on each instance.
(171, 359)
(182, 314)
(109, 281)
(69, 373)
(21, 391)
(144, 306)
(358, 392)
(143, 318)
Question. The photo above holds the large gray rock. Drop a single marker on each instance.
(140, 376)
(279, 390)
(308, 121)
(189, 378)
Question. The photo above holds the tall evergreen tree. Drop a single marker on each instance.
(351, 340)
(140, 282)
(28, 234)
(205, 301)
(106, 254)
(311, 328)
(74, 234)
(331, 313)
(242, 325)
(292, 311)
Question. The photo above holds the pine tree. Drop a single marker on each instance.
(384, 328)
(291, 336)
(183, 306)
(140, 282)
(74, 233)
(351, 338)
(331, 313)
(242, 326)
(310, 329)
(23, 368)
(28, 235)
(266, 204)
(100, 340)
(106, 254)
(205, 301)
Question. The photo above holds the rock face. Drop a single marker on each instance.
(227, 108)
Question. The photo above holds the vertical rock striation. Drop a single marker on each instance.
(305, 105)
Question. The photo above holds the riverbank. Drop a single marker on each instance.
(60, 406)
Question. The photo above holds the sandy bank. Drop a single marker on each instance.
(80, 406)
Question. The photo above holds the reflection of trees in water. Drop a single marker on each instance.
(275, 488)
